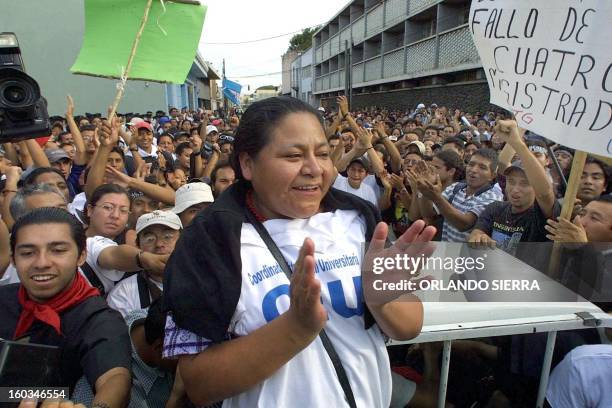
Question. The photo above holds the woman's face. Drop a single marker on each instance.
(293, 172)
(109, 216)
(186, 126)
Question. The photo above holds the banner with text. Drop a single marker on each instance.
(550, 62)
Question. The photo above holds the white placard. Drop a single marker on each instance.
(550, 62)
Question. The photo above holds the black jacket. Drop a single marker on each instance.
(202, 281)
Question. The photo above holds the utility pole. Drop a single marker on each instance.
(347, 69)
(350, 73)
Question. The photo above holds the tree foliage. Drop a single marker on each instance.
(302, 41)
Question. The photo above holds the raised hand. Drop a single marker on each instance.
(380, 128)
(70, 107)
(364, 138)
(107, 135)
(429, 189)
(154, 263)
(381, 263)
(397, 182)
(343, 105)
(566, 231)
(508, 131)
(196, 143)
(13, 174)
(306, 310)
(117, 175)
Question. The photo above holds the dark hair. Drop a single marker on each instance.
(604, 198)
(31, 178)
(220, 165)
(451, 161)
(182, 146)
(155, 322)
(117, 150)
(58, 124)
(166, 134)
(61, 135)
(100, 192)
(607, 171)
(490, 155)
(456, 141)
(106, 189)
(257, 122)
(51, 215)
(85, 128)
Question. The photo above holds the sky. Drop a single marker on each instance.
(243, 20)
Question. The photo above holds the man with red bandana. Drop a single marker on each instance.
(55, 306)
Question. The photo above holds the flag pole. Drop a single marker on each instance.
(128, 68)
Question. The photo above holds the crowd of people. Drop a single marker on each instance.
(181, 258)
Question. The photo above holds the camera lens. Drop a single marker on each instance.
(14, 94)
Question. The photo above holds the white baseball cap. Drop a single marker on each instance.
(158, 217)
(135, 120)
(211, 128)
(192, 194)
(420, 106)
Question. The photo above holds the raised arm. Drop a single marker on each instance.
(36, 152)
(536, 175)
(131, 259)
(366, 137)
(394, 154)
(108, 139)
(13, 174)
(80, 157)
(154, 191)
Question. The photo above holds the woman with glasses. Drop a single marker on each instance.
(108, 262)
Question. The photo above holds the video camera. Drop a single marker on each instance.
(23, 110)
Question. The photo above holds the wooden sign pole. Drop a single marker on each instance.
(568, 206)
(128, 68)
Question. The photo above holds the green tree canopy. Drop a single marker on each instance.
(302, 41)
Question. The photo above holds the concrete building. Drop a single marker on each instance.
(301, 77)
(199, 89)
(264, 92)
(286, 59)
(402, 52)
(50, 37)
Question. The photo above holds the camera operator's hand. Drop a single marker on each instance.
(12, 173)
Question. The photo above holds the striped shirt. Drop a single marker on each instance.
(473, 203)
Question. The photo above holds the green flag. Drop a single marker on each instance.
(166, 49)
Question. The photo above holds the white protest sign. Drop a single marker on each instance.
(550, 62)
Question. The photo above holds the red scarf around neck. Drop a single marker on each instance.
(49, 312)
